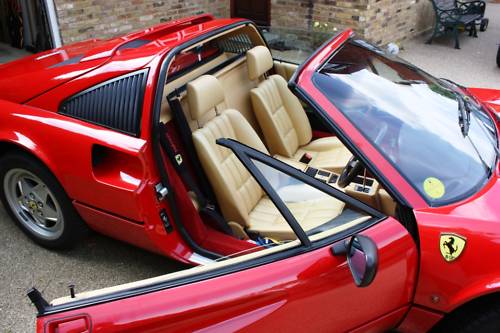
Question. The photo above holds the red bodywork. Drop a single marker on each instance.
(269, 297)
(476, 219)
(414, 287)
(125, 181)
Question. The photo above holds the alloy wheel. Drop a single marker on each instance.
(34, 204)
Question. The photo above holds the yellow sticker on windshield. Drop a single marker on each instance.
(434, 188)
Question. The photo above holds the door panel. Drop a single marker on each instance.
(313, 291)
(255, 10)
(311, 283)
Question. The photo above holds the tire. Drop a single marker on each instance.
(484, 24)
(37, 203)
(484, 319)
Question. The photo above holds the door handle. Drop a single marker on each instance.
(73, 324)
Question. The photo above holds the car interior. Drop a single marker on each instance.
(229, 86)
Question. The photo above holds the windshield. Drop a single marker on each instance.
(413, 119)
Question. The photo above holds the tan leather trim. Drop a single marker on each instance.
(207, 268)
(281, 117)
(237, 86)
(256, 39)
(236, 190)
(338, 229)
(387, 203)
(238, 230)
(234, 81)
(268, 221)
(177, 275)
(292, 162)
(327, 153)
(166, 114)
(260, 61)
(205, 98)
(285, 69)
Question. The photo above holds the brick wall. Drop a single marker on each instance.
(380, 21)
(291, 13)
(390, 20)
(341, 14)
(84, 19)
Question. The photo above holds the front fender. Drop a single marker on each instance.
(490, 97)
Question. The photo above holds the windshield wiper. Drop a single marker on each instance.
(465, 109)
(468, 109)
(410, 82)
(482, 124)
(463, 114)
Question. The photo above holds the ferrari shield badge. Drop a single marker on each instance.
(451, 246)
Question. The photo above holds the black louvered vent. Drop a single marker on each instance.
(116, 104)
(240, 43)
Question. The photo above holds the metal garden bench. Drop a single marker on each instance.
(453, 15)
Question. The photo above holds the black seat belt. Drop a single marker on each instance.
(176, 159)
(187, 141)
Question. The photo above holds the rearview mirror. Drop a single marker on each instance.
(362, 258)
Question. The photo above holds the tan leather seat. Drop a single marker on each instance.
(284, 123)
(240, 197)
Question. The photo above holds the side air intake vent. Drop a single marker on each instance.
(116, 104)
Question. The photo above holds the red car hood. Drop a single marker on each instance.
(24, 79)
(31, 76)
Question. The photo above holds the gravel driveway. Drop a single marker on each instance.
(474, 65)
(99, 262)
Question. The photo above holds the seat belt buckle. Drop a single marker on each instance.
(178, 159)
(306, 158)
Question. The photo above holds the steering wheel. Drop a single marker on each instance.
(354, 166)
(351, 170)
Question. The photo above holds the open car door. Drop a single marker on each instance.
(354, 273)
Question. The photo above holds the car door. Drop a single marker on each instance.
(357, 274)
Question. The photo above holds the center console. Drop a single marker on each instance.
(362, 188)
(322, 175)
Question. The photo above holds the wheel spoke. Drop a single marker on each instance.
(23, 207)
(50, 214)
(23, 187)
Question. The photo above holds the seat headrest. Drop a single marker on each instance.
(259, 61)
(205, 94)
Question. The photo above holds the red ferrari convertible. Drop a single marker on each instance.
(337, 189)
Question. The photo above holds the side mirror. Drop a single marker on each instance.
(362, 258)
